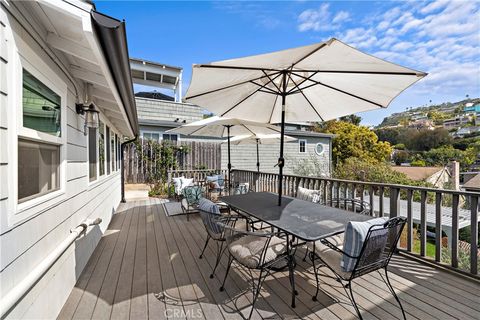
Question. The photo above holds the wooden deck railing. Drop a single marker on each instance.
(197, 175)
(440, 210)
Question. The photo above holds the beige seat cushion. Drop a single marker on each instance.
(248, 249)
(329, 256)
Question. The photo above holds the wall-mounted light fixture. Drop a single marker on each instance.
(91, 115)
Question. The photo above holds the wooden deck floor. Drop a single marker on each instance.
(147, 266)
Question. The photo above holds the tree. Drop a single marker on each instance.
(400, 156)
(443, 155)
(424, 139)
(354, 119)
(437, 117)
(356, 141)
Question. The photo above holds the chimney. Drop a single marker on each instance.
(455, 173)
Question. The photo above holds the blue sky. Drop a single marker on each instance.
(438, 37)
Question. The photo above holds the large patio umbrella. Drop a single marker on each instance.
(317, 82)
(225, 128)
(258, 139)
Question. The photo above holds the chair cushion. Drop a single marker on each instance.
(208, 206)
(248, 250)
(308, 194)
(331, 257)
(177, 182)
(355, 234)
(212, 182)
(336, 240)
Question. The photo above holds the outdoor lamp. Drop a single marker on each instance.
(91, 115)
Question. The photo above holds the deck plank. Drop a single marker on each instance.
(147, 266)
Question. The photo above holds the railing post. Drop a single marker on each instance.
(423, 223)
(438, 226)
(474, 235)
(454, 240)
(409, 220)
(394, 202)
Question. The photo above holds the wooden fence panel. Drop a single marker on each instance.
(199, 155)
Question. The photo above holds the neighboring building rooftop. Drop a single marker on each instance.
(154, 95)
(417, 173)
(473, 184)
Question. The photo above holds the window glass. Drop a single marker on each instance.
(302, 146)
(107, 142)
(101, 147)
(92, 153)
(38, 169)
(147, 135)
(41, 106)
(319, 148)
(112, 148)
(170, 137)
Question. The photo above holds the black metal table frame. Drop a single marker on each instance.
(290, 242)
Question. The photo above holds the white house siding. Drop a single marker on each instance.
(243, 156)
(27, 237)
(161, 110)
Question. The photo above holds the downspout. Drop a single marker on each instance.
(122, 174)
(12, 298)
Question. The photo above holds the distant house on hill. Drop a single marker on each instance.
(437, 176)
(456, 122)
(422, 124)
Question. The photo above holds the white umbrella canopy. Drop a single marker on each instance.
(318, 82)
(225, 127)
(259, 139)
(218, 127)
(323, 81)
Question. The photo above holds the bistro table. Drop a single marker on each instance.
(301, 219)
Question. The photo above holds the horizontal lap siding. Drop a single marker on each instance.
(244, 157)
(24, 245)
(3, 118)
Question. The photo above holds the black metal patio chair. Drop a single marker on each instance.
(378, 247)
(191, 197)
(349, 204)
(214, 221)
(256, 250)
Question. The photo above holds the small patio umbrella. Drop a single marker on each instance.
(317, 82)
(225, 128)
(259, 139)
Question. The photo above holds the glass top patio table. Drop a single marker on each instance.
(305, 220)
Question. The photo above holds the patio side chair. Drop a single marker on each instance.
(350, 204)
(214, 223)
(255, 251)
(191, 197)
(349, 259)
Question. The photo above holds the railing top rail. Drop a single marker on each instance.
(376, 184)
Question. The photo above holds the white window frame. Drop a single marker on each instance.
(300, 145)
(32, 63)
(106, 123)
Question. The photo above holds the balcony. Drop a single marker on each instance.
(146, 266)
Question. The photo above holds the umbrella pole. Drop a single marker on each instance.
(229, 166)
(258, 158)
(281, 160)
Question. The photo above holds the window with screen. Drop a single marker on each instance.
(101, 148)
(107, 142)
(38, 169)
(92, 154)
(302, 145)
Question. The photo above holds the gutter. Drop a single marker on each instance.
(112, 36)
(122, 174)
(13, 297)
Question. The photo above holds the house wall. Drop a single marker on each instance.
(28, 233)
(244, 156)
(155, 110)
